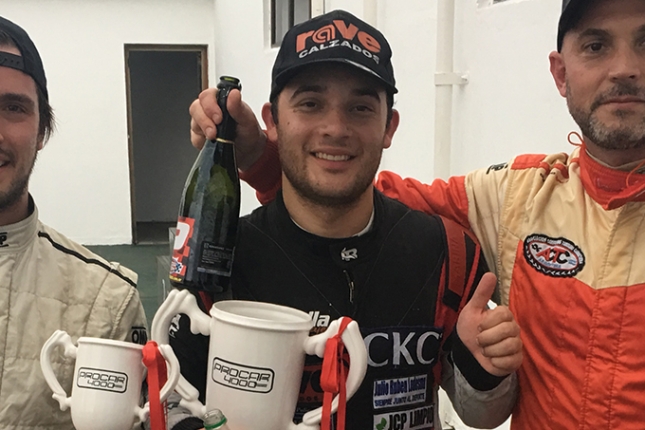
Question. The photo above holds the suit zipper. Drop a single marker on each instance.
(350, 284)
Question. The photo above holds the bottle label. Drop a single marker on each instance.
(215, 259)
(181, 249)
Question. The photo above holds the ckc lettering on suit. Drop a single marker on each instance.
(401, 348)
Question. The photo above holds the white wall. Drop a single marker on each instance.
(510, 105)
(411, 31)
(81, 181)
(242, 32)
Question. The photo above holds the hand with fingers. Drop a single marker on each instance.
(491, 335)
(206, 115)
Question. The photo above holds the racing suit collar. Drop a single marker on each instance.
(611, 188)
(14, 237)
(308, 245)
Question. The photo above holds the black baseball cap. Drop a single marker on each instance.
(29, 61)
(572, 11)
(337, 36)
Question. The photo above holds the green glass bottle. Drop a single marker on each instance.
(210, 208)
(215, 420)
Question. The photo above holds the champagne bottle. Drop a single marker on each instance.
(210, 207)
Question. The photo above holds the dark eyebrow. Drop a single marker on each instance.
(18, 98)
(367, 91)
(640, 30)
(594, 32)
(597, 32)
(307, 89)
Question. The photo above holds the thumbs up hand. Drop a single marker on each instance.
(491, 335)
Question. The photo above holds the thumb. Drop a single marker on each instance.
(239, 111)
(484, 291)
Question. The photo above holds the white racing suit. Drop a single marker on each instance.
(48, 282)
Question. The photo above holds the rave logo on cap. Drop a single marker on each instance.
(329, 36)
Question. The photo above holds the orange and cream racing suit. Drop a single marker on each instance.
(565, 234)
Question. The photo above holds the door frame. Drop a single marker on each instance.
(132, 47)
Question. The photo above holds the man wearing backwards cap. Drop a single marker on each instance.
(565, 234)
(331, 245)
(47, 282)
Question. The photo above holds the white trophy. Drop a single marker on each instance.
(108, 375)
(255, 360)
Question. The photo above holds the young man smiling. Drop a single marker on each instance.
(331, 245)
(564, 233)
(47, 281)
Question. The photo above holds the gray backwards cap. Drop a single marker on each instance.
(28, 61)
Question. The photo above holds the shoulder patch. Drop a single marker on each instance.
(138, 334)
(555, 257)
(496, 167)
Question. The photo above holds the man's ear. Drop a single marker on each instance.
(559, 72)
(41, 143)
(267, 116)
(391, 129)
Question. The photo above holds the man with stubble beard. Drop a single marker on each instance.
(332, 246)
(47, 282)
(565, 234)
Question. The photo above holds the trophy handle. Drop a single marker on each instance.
(59, 337)
(355, 346)
(179, 302)
(182, 302)
(173, 377)
(190, 397)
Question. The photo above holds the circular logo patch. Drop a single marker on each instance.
(557, 257)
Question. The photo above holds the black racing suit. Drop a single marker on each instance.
(388, 280)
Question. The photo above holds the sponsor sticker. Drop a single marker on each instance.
(556, 257)
(242, 377)
(181, 250)
(400, 391)
(413, 419)
(101, 379)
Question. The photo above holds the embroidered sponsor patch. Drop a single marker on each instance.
(496, 167)
(420, 418)
(139, 335)
(556, 257)
(349, 254)
(400, 391)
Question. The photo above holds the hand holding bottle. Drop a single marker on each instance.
(206, 115)
(202, 257)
